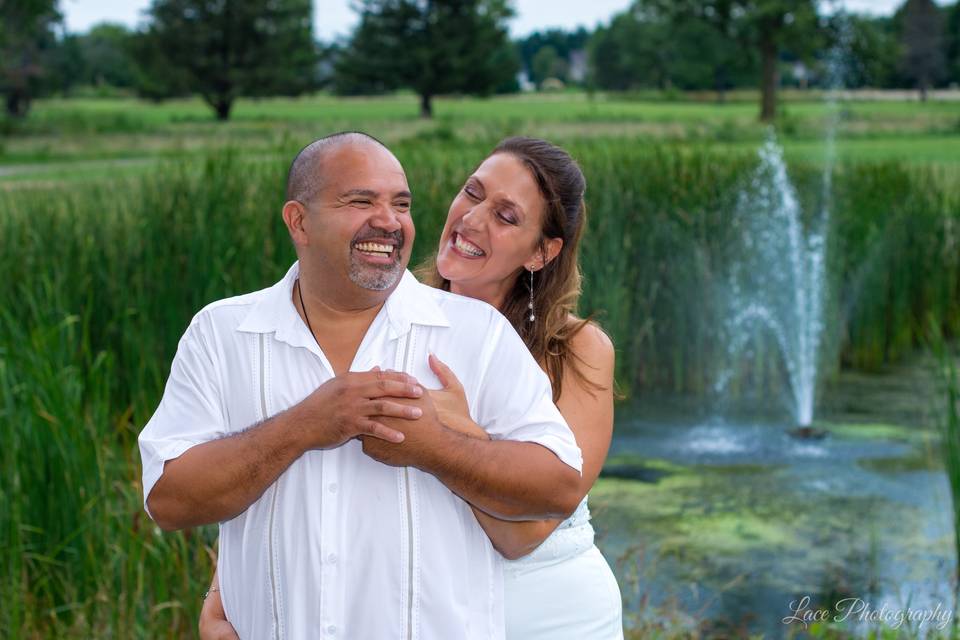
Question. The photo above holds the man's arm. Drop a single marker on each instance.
(586, 404)
(510, 480)
(218, 480)
(507, 479)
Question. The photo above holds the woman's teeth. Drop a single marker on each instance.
(467, 247)
(374, 248)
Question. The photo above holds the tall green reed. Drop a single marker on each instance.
(950, 442)
(99, 284)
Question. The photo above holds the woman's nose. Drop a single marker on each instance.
(475, 217)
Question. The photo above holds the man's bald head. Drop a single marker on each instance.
(306, 175)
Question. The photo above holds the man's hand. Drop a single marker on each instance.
(217, 480)
(419, 435)
(357, 404)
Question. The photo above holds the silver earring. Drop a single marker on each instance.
(531, 317)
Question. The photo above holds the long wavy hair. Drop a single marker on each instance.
(556, 287)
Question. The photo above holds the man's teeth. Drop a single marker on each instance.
(374, 247)
(468, 247)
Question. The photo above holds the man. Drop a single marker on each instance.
(268, 393)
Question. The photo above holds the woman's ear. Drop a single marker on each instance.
(546, 252)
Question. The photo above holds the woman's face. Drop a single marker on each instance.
(493, 229)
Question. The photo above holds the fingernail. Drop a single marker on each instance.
(416, 390)
(398, 437)
(416, 412)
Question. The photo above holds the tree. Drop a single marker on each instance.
(922, 38)
(872, 48)
(566, 44)
(952, 42)
(27, 40)
(223, 49)
(430, 46)
(653, 45)
(105, 53)
(635, 51)
(547, 63)
(765, 26)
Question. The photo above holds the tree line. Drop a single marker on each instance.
(224, 49)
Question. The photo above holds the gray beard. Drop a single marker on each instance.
(374, 278)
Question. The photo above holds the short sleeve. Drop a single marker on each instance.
(190, 411)
(515, 400)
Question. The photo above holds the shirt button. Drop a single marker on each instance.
(332, 558)
(332, 629)
(332, 487)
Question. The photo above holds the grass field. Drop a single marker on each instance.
(88, 129)
(118, 220)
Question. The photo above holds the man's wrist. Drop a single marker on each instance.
(293, 427)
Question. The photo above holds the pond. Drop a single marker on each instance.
(721, 521)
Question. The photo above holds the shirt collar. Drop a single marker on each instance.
(410, 303)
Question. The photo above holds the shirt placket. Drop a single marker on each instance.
(333, 514)
(331, 578)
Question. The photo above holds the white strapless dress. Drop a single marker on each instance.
(565, 589)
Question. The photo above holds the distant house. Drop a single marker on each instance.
(552, 84)
(801, 74)
(578, 66)
(523, 81)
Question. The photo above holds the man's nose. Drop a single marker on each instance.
(385, 217)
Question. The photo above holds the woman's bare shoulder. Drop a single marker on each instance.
(592, 344)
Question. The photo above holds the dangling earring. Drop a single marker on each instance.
(531, 317)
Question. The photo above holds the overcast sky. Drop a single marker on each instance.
(334, 17)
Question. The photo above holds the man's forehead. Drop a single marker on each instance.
(388, 183)
(364, 167)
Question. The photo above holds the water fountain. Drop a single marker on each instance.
(777, 283)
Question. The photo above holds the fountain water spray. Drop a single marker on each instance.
(777, 283)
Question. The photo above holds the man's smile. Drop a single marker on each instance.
(375, 249)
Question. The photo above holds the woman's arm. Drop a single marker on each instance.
(213, 619)
(587, 410)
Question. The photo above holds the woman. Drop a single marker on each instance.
(511, 239)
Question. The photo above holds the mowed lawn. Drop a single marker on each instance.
(90, 138)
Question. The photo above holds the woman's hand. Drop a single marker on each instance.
(451, 401)
(213, 619)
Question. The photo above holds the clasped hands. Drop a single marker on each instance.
(397, 420)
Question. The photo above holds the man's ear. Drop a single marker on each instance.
(293, 215)
(545, 253)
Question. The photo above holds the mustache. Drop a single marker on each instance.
(374, 235)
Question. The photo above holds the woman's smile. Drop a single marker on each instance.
(465, 248)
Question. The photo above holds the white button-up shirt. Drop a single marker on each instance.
(342, 546)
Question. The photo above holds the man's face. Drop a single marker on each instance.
(359, 223)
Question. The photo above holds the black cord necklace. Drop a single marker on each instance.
(305, 316)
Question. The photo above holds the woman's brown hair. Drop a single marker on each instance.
(556, 287)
